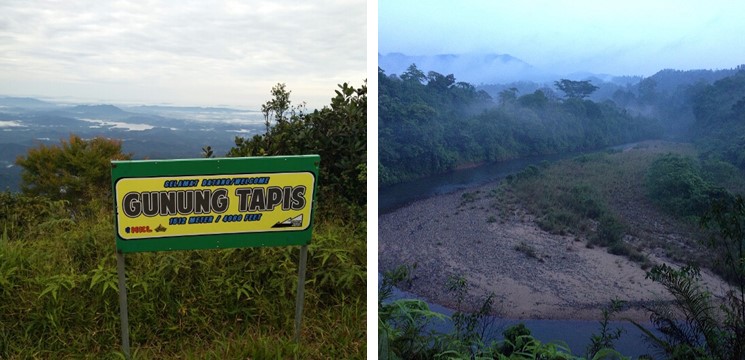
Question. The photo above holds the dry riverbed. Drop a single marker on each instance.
(551, 277)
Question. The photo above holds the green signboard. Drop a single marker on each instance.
(214, 203)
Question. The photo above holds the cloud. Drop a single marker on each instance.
(618, 37)
(187, 50)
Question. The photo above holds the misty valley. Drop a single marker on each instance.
(634, 214)
(146, 131)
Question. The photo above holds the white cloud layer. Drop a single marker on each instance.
(181, 52)
(621, 37)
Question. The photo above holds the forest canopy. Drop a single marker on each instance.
(429, 124)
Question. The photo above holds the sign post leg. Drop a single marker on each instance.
(123, 304)
(300, 291)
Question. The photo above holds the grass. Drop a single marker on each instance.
(59, 297)
(526, 249)
(601, 198)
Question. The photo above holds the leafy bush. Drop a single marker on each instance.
(23, 215)
(77, 170)
(610, 231)
(699, 326)
(337, 133)
(530, 171)
(584, 201)
(511, 338)
(675, 183)
(404, 330)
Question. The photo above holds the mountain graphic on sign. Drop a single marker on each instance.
(296, 221)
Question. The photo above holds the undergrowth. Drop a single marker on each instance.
(405, 330)
(603, 198)
(59, 295)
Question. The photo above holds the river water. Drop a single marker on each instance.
(575, 333)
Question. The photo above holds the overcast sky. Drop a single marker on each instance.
(629, 37)
(181, 52)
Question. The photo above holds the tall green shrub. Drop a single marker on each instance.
(77, 170)
(337, 132)
(675, 183)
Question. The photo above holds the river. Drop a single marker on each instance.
(575, 333)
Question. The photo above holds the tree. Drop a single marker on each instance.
(575, 89)
(77, 170)
(440, 82)
(647, 91)
(277, 106)
(413, 74)
(336, 132)
(535, 100)
(508, 96)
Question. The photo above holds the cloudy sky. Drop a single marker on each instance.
(181, 52)
(629, 37)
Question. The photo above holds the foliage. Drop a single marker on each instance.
(405, 332)
(512, 336)
(562, 207)
(58, 296)
(601, 197)
(402, 323)
(706, 332)
(471, 330)
(26, 215)
(430, 125)
(697, 336)
(609, 232)
(676, 184)
(77, 170)
(607, 337)
(727, 216)
(575, 89)
(337, 133)
(276, 108)
(719, 126)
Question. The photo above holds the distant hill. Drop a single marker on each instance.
(472, 68)
(670, 80)
(98, 110)
(24, 102)
(163, 108)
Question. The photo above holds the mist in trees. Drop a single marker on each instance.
(431, 123)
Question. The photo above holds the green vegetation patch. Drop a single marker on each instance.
(404, 333)
(676, 184)
(58, 297)
(592, 195)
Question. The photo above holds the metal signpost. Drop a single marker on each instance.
(163, 205)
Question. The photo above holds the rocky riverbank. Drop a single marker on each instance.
(532, 273)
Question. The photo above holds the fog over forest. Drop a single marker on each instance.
(587, 162)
